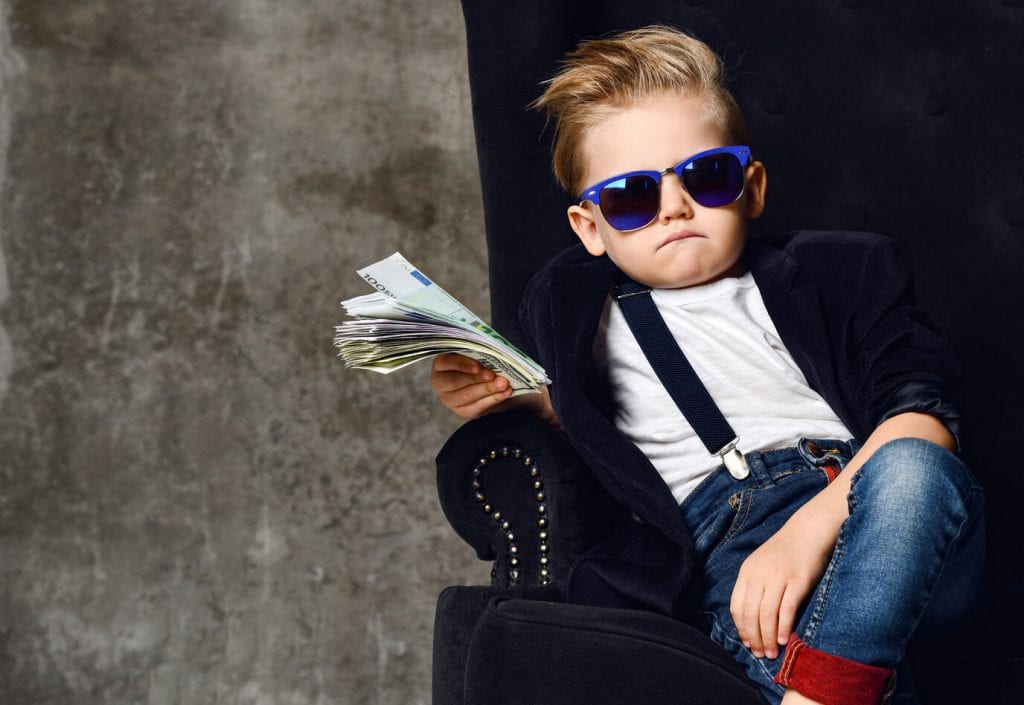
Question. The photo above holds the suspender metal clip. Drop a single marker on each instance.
(620, 294)
(732, 458)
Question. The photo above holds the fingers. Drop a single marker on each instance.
(787, 614)
(476, 400)
(453, 362)
(466, 387)
(756, 611)
(775, 579)
(768, 619)
(746, 609)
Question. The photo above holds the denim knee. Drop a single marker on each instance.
(914, 478)
(909, 554)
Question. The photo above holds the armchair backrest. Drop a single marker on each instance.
(893, 117)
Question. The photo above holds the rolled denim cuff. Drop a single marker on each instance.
(833, 680)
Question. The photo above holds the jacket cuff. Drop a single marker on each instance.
(833, 680)
(926, 398)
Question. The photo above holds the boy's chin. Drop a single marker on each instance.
(685, 279)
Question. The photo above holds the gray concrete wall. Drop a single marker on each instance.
(198, 503)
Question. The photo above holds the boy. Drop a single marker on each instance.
(837, 550)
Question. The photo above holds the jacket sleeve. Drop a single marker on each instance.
(535, 320)
(902, 361)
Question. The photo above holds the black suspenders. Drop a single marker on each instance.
(678, 376)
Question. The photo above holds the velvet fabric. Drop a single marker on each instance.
(578, 511)
(528, 652)
(458, 613)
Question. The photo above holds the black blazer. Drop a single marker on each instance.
(842, 303)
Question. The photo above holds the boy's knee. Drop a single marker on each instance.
(913, 472)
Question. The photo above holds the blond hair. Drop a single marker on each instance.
(602, 76)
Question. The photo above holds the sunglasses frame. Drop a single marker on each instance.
(741, 152)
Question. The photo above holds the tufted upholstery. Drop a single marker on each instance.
(894, 117)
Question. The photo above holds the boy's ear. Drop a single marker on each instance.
(757, 184)
(585, 226)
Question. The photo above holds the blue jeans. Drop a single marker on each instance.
(907, 561)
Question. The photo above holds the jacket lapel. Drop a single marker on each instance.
(795, 308)
(578, 294)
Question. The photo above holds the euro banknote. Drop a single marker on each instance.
(410, 318)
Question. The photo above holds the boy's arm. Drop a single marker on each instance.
(470, 390)
(776, 578)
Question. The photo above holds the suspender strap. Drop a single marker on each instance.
(678, 376)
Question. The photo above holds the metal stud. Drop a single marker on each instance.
(515, 561)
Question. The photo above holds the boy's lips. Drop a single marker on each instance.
(680, 235)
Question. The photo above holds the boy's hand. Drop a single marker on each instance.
(471, 390)
(466, 387)
(776, 579)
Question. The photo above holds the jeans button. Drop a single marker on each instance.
(814, 450)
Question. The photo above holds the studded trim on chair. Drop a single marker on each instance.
(517, 572)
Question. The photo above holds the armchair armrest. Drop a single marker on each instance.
(515, 490)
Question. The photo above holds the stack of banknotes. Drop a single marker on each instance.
(410, 318)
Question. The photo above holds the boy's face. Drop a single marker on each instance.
(687, 244)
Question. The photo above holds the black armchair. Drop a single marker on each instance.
(514, 489)
(899, 118)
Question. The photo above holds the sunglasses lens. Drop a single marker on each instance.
(630, 202)
(714, 180)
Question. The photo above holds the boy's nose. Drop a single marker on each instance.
(675, 201)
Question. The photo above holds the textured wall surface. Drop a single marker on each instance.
(198, 504)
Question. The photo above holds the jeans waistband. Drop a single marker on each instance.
(766, 466)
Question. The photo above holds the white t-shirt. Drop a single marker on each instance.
(728, 337)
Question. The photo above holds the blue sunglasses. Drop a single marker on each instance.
(632, 200)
